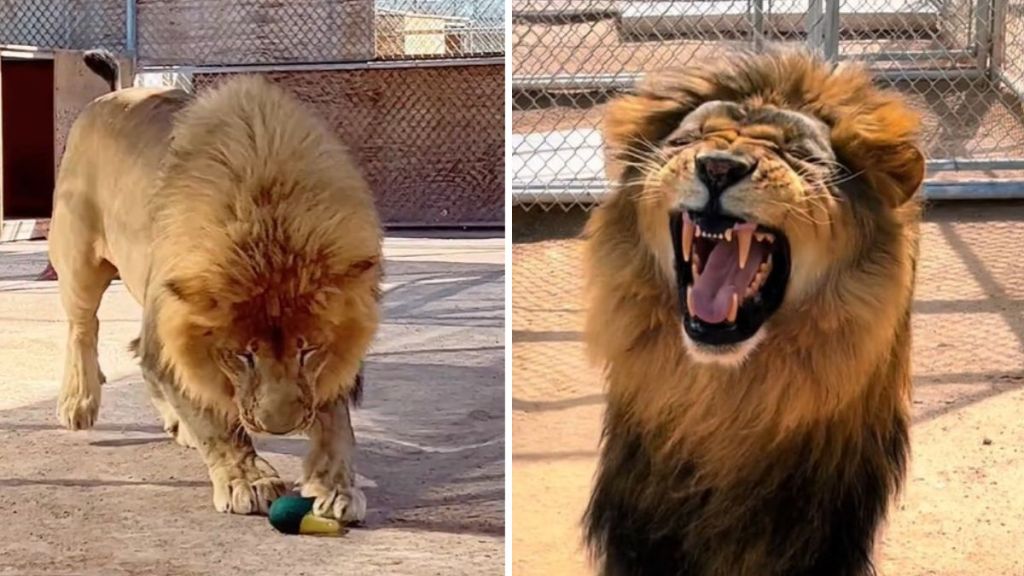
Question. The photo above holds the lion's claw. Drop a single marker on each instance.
(344, 503)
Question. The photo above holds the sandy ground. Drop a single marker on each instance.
(122, 499)
(962, 513)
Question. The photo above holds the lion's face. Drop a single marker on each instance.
(275, 354)
(749, 188)
(757, 184)
(273, 374)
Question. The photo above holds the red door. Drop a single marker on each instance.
(27, 109)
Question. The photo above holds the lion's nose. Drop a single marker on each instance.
(718, 171)
(281, 417)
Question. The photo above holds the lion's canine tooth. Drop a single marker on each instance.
(689, 299)
(696, 274)
(734, 308)
(743, 237)
(728, 234)
(688, 230)
(697, 231)
(759, 236)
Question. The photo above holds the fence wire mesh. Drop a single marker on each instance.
(242, 32)
(69, 24)
(215, 32)
(415, 87)
(959, 62)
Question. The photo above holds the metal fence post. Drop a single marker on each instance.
(757, 20)
(983, 33)
(130, 30)
(997, 44)
(830, 40)
(814, 25)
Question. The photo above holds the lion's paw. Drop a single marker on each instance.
(78, 410)
(79, 403)
(249, 487)
(344, 503)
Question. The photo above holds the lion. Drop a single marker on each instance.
(749, 287)
(244, 229)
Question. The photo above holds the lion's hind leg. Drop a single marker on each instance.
(173, 424)
(82, 278)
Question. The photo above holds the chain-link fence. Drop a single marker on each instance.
(415, 87)
(961, 62)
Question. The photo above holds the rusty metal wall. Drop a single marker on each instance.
(430, 140)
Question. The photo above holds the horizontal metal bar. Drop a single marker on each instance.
(317, 67)
(482, 225)
(974, 190)
(577, 82)
(918, 74)
(991, 164)
(626, 81)
(591, 191)
(908, 56)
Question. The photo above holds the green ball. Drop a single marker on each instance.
(287, 511)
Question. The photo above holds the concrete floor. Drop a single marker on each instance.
(122, 499)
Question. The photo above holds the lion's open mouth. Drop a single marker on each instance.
(731, 275)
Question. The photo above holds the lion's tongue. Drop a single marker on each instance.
(722, 277)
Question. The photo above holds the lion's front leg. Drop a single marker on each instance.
(243, 482)
(328, 474)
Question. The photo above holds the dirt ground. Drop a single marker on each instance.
(123, 499)
(962, 512)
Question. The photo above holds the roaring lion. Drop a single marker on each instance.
(244, 229)
(749, 292)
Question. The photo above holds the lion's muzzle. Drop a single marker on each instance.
(281, 410)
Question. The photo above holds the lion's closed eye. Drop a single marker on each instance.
(247, 358)
(307, 354)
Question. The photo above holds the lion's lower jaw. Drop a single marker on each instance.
(731, 356)
(797, 516)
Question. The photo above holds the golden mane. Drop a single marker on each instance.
(832, 389)
(261, 214)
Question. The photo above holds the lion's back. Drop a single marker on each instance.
(108, 171)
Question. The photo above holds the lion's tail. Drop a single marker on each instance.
(103, 64)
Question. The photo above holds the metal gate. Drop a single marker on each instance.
(414, 87)
(961, 62)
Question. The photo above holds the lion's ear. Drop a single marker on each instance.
(910, 173)
(192, 291)
(639, 119)
(879, 138)
(636, 122)
(361, 267)
(354, 273)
